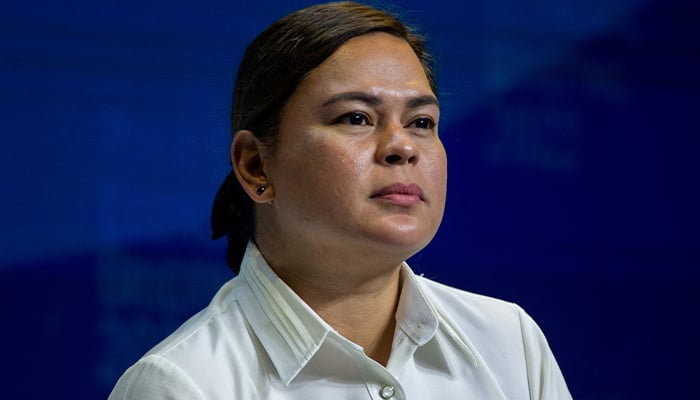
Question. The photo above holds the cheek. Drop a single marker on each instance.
(436, 165)
(437, 173)
(341, 169)
(326, 168)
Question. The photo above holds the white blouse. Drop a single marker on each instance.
(259, 340)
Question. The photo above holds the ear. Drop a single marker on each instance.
(247, 158)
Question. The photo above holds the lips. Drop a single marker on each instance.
(400, 194)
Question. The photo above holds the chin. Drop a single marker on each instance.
(405, 242)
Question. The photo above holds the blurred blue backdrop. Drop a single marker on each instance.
(572, 134)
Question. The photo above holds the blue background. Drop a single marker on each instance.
(572, 134)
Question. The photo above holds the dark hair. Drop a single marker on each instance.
(272, 68)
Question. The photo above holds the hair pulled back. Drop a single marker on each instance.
(272, 67)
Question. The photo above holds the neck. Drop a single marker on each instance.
(365, 316)
(357, 298)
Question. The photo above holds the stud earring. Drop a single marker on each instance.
(260, 191)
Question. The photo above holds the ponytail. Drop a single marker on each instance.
(232, 215)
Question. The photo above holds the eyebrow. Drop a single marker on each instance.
(420, 101)
(372, 100)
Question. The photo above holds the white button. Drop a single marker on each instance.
(387, 392)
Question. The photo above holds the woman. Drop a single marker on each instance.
(338, 177)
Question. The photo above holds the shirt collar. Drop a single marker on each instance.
(414, 315)
(291, 332)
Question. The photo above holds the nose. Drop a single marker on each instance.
(396, 147)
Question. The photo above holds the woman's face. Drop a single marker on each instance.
(358, 165)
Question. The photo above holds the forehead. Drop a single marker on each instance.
(374, 63)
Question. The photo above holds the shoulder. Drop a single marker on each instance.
(475, 308)
(199, 331)
(482, 317)
(502, 336)
(478, 313)
(155, 377)
(212, 352)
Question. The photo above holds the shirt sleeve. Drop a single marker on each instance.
(155, 378)
(544, 376)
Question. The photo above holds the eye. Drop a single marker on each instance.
(423, 123)
(353, 118)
